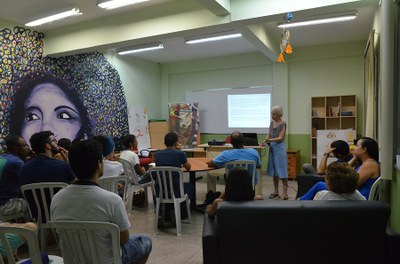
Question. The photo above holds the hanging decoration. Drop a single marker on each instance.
(285, 46)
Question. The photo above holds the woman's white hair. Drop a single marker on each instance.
(278, 109)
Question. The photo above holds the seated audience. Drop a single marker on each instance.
(339, 148)
(43, 167)
(64, 144)
(366, 162)
(130, 144)
(239, 187)
(237, 153)
(14, 240)
(10, 163)
(110, 166)
(84, 200)
(174, 157)
(341, 181)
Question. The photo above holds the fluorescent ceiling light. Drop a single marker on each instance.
(72, 12)
(119, 3)
(141, 49)
(194, 41)
(318, 21)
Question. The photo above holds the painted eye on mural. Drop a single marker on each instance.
(63, 115)
(67, 115)
(31, 117)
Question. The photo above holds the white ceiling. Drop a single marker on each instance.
(22, 11)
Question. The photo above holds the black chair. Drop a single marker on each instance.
(306, 181)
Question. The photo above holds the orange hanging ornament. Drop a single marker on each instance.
(285, 46)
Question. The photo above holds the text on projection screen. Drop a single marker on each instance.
(249, 110)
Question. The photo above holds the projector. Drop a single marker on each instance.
(216, 142)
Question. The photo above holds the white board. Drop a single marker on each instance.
(213, 108)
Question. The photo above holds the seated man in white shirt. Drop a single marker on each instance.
(84, 200)
(111, 167)
(130, 144)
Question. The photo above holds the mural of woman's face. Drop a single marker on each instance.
(49, 108)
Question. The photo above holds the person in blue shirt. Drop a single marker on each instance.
(237, 153)
(44, 168)
(10, 164)
(339, 148)
(173, 156)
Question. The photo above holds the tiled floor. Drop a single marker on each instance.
(187, 248)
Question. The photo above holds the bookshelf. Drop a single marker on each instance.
(331, 112)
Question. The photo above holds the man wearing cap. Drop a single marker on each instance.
(110, 166)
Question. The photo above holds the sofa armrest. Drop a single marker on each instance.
(306, 181)
(392, 246)
(210, 240)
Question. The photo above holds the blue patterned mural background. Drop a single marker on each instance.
(94, 79)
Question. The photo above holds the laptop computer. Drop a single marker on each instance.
(250, 139)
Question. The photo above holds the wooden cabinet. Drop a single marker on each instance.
(293, 157)
(331, 112)
(157, 132)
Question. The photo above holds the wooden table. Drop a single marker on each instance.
(198, 164)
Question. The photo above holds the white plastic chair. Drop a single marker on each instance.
(42, 194)
(111, 184)
(375, 190)
(249, 165)
(78, 240)
(32, 241)
(134, 185)
(162, 177)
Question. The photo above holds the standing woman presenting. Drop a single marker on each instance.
(277, 161)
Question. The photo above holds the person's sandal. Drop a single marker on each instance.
(285, 198)
(273, 195)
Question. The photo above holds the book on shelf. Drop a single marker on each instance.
(346, 113)
(334, 111)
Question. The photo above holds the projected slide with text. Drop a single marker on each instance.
(249, 110)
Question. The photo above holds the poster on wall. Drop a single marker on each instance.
(139, 125)
(184, 120)
(326, 137)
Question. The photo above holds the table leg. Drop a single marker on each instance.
(259, 183)
(192, 180)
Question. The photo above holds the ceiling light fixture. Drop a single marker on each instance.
(142, 49)
(49, 19)
(216, 38)
(119, 3)
(318, 21)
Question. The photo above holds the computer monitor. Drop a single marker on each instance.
(250, 139)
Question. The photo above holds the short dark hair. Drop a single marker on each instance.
(64, 143)
(341, 178)
(237, 139)
(127, 140)
(341, 147)
(39, 140)
(239, 185)
(12, 141)
(84, 157)
(170, 139)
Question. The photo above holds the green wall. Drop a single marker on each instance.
(141, 82)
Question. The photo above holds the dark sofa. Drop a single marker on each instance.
(273, 231)
(306, 181)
